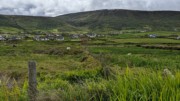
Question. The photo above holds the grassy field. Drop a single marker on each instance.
(97, 71)
(146, 40)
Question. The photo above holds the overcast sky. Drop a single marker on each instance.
(59, 7)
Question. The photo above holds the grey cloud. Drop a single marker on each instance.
(137, 4)
(59, 7)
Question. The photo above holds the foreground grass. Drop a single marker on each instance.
(94, 73)
(118, 85)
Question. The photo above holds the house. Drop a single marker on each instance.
(152, 36)
(82, 35)
(100, 35)
(14, 38)
(51, 36)
(36, 37)
(91, 35)
(178, 38)
(74, 36)
(41, 38)
(59, 38)
(2, 38)
(175, 29)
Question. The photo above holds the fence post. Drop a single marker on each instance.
(32, 90)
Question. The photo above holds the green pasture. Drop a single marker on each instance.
(94, 72)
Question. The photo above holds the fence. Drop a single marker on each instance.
(32, 90)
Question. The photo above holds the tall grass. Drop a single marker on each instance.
(11, 91)
(125, 85)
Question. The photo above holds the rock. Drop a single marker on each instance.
(167, 73)
(129, 54)
(68, 48)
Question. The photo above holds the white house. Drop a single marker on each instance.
(91, 35)
(14, 38)
(74, 36)
(178, 38)
(41, 38)
(59, 38)
(152, 36)
(2, 38)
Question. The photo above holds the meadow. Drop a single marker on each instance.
(104, 69)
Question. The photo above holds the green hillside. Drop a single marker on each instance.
(125, 19)
(98, 21)
(31, 23)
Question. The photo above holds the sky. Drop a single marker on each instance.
(60, 7)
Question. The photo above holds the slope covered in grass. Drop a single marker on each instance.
(124, 19)
(97, 21)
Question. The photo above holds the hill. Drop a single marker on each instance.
(31, 24)
(124, 19)
(98, 21)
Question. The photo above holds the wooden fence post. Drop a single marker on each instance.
(32, 90)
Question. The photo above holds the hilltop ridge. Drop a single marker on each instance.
(97, 21)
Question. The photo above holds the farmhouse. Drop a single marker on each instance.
(51, 36)
(152, 36)
(178, 38)
(14, 38)
(91, 35)
(36, 37)
(100, 35)
(59, 38)
(2, 38)
(41, 38)
(74, 36)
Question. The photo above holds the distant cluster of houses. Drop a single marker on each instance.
(11, 38)
(60, 37)
(2, 38)
(47, 37)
